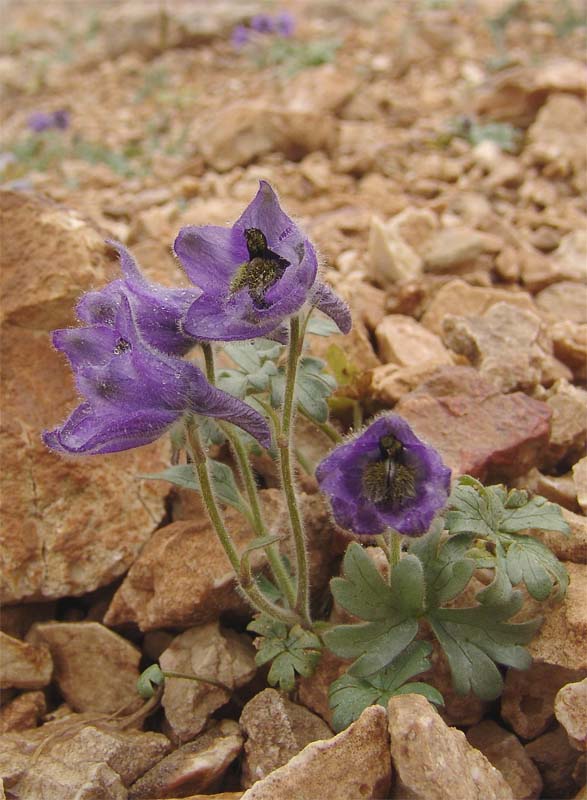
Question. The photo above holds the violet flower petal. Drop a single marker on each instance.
(333, 306)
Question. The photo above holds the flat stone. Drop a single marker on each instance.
(580, 479)
(433, 761)
(25, 711)
(527, 702)
(276, 730)
(567, 548)
(477, 430)
(556, 761)
(559, 489)
(403, 341)
(570, 257)
(564, 300)
(74, 758)
(74, 524)
(509, 346)
(505, 752)
(355, 763)
(458, 297)
(207, 651)
(570, 708)
(568, 435)
(555, 140)
(390, 382)
(391, 259)
(183, 577)
(570, 346)
(240, 133)
(326, 87)
(193, 766)
(561, 639)
(95, 668)
(24, 665)
(450, 248)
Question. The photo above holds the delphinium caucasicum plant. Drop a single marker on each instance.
(256, 294)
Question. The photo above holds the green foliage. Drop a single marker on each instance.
(149, 681)
(350, 695)
(314, 386)
(292, 652)
(221, 476)
(505, 136)
(292, 56)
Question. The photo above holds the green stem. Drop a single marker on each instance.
(395, 550)
(326, 428)
(272, 551)
(251, 591)
(287, 479)
(196, 678)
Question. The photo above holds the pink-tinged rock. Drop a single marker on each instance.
(25, 711)
(561, 639)
(458, 297)
(353, 764)
(433, 761)
(24, 665)
(193, 766)
(390, 382)
(557, 763)
(95, 668)
(403, 341)
(568, 431)
(570, 708)
(570, 346)
(505, 752)
(476, 429)
(69, 525)
(208, 651)
(276, 730)
(527, 702)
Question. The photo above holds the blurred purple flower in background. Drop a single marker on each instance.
(281, 24)
(254, 275)
(262, 23)
(43, 121)
(385, 478)
(132, 393)
(285, 24)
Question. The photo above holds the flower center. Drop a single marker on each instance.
(122, 346)
(261, 271)
(388, 479)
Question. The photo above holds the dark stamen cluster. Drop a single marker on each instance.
(263, 269)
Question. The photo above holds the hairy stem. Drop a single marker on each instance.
(395, 550)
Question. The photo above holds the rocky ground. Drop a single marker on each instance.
(435, 153)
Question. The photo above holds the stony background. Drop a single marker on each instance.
(466, 267)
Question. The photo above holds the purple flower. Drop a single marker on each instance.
(133, 394)
(157, 309)
(385, 478)
(240, 36)
(262, 23)
(42, 121)
(284, 24)
(254, 275)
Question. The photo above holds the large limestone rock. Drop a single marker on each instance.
(403, 341)
(95, 668)
(69, 525)
(355, 763)
(433, 761)
(570, 708)
(23, 665)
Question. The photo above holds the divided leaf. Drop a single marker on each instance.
(296, 651)
(313, 387)
(530, 561)
(221, 476)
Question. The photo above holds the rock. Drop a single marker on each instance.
(276, 730)
(355, 345)
(451, 248)
(509, 346)
(403, 341)
(25, 711)
(391, 260)
(433, 761)
(240, 133)
(556, 488)
(527, 702)
(23, 665)
(95, 668)
(570, 346)
(561, 639)
(505, 752)
(183, 577)
(17, 620)
(556, 761)
(326, 87)
(567, 548)
(477, 430)
(72, 525)
(536, 270)
(556, 138)
(355, 763)
(570, 708)
(74, 758)
(361, 146)
(514, 95)
(388, 383)
(580, 479)
(193, 766)
(207, 651)
(568, 434)
(368, 301)
(313, 691)
(458, 297)
(570, 257)
(564, 300)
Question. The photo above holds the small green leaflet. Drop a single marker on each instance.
(447, 568)
(530, 561)
(340, 366)
(313, 387)
(391, 611)
(221, 475)
(349, 696)
(255, 362)
(296, 651)
(149, 681)
(322, 326)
